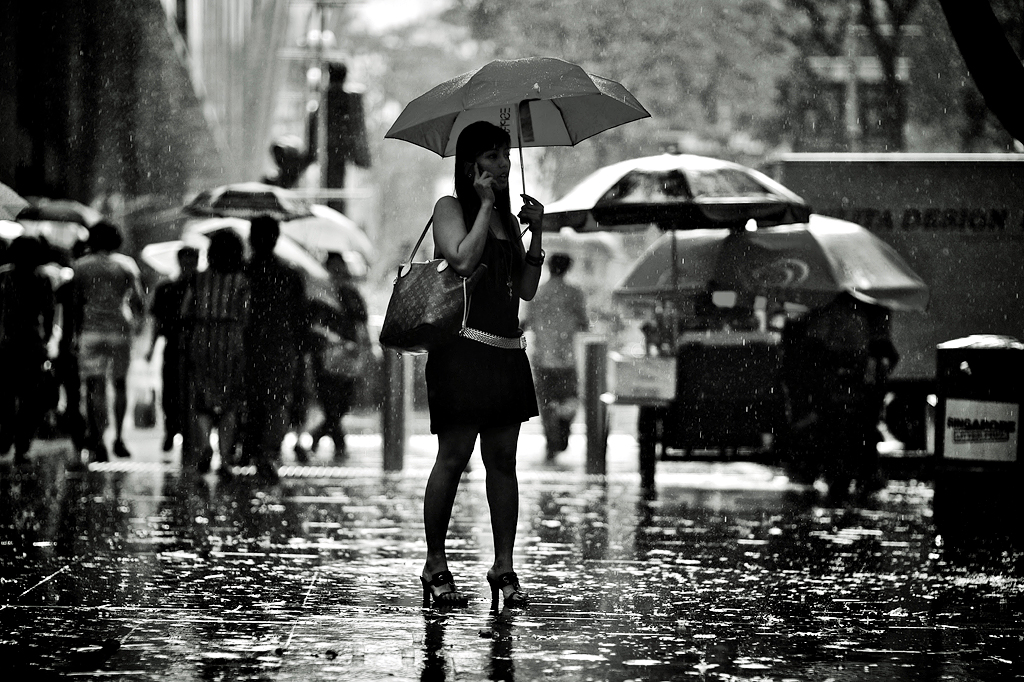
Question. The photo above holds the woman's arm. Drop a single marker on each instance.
(463, 246)
(532, 214)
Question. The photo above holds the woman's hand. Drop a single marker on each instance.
(483, 183)
(532, 213)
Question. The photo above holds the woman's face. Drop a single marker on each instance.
(496, 162)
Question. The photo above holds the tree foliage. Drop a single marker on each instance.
(734, 78)
(705, 71)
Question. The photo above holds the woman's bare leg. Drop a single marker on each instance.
(454, 448)
(498, 449)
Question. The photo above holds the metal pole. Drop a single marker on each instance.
(519, 137)
(397, 405)
(595, 378)
(853, 130)
(321, 118)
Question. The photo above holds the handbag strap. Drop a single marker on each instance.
(419, 241)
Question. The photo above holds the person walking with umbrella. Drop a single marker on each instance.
(475, 389)
(109, 306)
(559, 312)
(215, 314)
(277, 330)
(26, 325)
(169, 324)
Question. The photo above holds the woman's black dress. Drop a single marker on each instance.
(470, 383)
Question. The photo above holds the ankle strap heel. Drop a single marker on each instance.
(515, 599)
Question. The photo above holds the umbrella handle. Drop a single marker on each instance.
(519, 134)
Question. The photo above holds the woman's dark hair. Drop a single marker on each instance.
(474, 140)
(226, 252)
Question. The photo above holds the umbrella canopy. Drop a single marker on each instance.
(42, 209)
(248, 200)
(540, 101)
(163, 256)
(808, 263)
(11, 203)
(62, 222)
(328, 230)
(679, 191)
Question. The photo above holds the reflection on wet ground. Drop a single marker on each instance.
(728, 573)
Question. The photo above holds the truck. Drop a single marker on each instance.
(958, 220)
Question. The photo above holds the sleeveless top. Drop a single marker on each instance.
(494, 307)
(471, 383)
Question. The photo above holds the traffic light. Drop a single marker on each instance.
(345, 129)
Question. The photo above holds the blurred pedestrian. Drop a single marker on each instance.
(215, 315)
(557, 313)
(275, 336)
(27, 307)
(110, 305)
(481, 386)
(66, 365)
(166, 311)
(836, 360)
(336, 382)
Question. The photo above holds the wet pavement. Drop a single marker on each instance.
(129, 570)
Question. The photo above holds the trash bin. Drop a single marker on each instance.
(980, 387)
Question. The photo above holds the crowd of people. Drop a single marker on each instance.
(238, 337)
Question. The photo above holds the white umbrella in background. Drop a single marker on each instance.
(327, 231)
(163, 256)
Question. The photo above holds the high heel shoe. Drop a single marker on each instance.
(515, 599)
(440, 580)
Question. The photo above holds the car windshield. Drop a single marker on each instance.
(641, 187)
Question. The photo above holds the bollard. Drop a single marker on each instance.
(396, 408)
(595, 362)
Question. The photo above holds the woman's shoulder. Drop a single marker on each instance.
(447, 204)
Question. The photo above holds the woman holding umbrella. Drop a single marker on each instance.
(481, 388)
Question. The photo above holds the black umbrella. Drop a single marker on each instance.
(677, 191)
(248, 200)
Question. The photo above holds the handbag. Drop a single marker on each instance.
(429, 303)
(343, 358)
